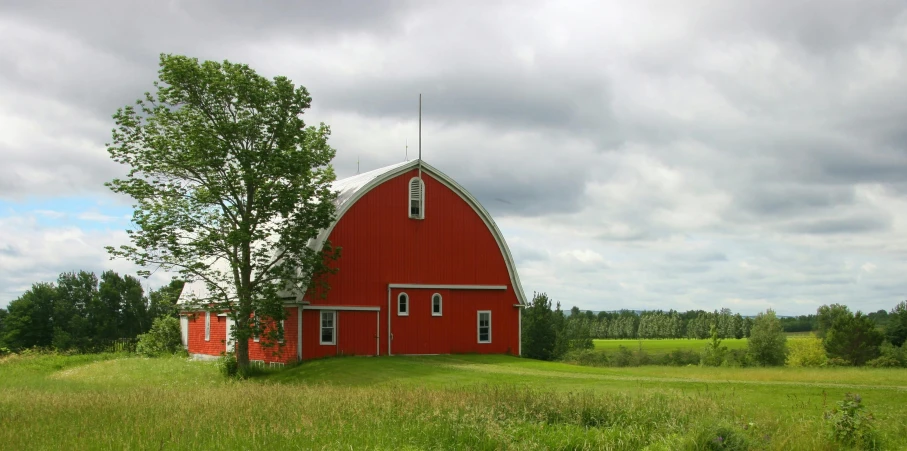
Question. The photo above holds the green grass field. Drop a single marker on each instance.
(442, 402)
(658, 347)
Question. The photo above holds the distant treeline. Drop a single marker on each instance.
(81, 311)
(689, 324)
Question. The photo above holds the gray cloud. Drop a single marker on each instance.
(746, 154)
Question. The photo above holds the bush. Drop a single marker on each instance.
(836, 361)
(227, 365)
(807, 351)
(767, 343)
(737, 358)
(163, 338)
(850, 426)
(587, 358)
(890, 352)
(679, 357)
(883, 362)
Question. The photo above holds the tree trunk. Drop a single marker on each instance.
(242, 354)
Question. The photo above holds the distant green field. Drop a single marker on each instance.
(441, 402)
(657, 347)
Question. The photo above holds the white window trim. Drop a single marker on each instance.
(255, 336)
(406, 313)
(440, 311)
(283, 331)
(207, 326)
(479, 326)
(409, 198)
(321, 327)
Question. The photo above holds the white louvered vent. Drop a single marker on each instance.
(416, 198)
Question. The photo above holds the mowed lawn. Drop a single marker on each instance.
(441, 402)
(660, 347)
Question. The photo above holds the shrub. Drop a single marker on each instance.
(680, 357)
(227, 365)
(836, 361)
(883, 362)
(587, 358)
(890, 352)
(737, 358)
(163, 338)
(849, 425)
(808, 351)
(767, 344)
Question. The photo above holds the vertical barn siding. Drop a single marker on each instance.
(451, 246)
(197, 344)
(456, 331)
(356, 331)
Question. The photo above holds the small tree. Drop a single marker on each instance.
(229, 186)
(538, 329)
(163, 338)
(714, 353)
(767, 343)
(853, 338)
(896, 331)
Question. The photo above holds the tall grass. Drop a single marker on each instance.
(463, 402)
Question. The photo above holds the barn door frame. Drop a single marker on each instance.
(417, 286)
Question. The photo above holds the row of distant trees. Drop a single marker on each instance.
(83, 311)
(692, 323)
(842, 336)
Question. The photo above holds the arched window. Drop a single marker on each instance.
(403, 305)
(416, 198)
(436, 304)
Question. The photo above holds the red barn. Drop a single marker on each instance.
(424, 270)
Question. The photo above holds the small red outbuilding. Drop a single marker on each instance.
(424, 270)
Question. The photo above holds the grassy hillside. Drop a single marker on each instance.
(444, 402)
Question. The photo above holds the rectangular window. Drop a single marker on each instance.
(283, 331)
(255, 335)
(328, 328)
(484, 326)
(207, 326)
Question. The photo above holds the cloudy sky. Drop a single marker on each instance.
(636, 154)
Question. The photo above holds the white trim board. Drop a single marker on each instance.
(354, 308)
(417, 286)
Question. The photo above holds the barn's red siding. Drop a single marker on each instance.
(356, 334)
(197, 344)
(281, 352)
(381, 245)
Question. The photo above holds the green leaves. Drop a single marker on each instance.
(229, 184)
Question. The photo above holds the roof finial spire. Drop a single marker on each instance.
(420, 136)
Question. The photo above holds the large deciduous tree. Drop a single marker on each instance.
(229, 186)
